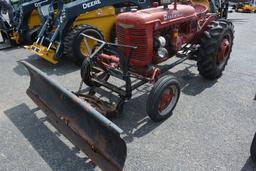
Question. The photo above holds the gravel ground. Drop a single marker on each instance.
(211, 129)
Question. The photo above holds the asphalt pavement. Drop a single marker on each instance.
(211, 128)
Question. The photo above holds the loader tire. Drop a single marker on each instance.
(74, 45)
(215, 48)
(163, 98)
(253, 148)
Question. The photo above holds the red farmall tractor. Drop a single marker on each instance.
(146, 40)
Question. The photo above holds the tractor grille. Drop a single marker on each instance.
(134, 37)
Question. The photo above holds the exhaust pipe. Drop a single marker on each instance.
(94, 134)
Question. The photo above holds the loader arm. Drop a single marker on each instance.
(95, 135)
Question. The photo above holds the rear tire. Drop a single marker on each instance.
(163, 98)
(215, 48)
(74, 40)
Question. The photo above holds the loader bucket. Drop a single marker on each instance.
(95, 135)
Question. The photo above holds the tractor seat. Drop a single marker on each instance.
(200, 9)
(201, 6)
(201, 2)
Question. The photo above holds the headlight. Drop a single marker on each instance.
(162, 52)
(162, 41)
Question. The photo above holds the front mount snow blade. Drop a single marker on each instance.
(95, 135)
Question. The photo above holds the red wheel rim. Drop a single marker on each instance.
(224, 50)
(165, 99)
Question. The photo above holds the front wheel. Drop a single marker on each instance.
(163, 98)
(88, 73)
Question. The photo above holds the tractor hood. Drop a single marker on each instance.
(156, 14)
